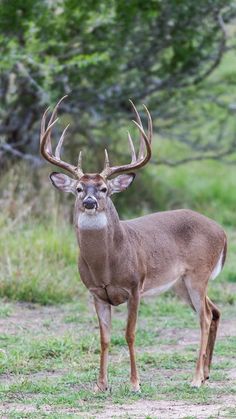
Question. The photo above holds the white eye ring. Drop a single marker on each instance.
(104, 190)
(79, 189)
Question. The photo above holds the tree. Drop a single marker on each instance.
(101, 53)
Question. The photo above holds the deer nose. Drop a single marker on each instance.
(89, 202)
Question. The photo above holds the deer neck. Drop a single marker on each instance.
(98, 233)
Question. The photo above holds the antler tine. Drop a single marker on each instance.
(60, 142)
(132, 149)
(43, 122)
(80, 160)
(136, 113)
(106, 168)
(142, 143)
(54, 112)
(144, 135)
(45, 143)
(52, 119)
(150, 132)
(106, 162)
(79, 166)
(143, 158)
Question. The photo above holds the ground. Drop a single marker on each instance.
(49, 362)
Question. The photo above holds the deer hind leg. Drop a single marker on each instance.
(212, 336)
(181, 291)
(200, 303)
(104, 316)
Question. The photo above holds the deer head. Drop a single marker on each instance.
(92, 189)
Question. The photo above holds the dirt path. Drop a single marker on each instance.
(169, 410)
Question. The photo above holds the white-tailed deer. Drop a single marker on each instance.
(121, 261)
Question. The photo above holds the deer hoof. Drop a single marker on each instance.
(197, 382)
(100, 387)
(206, 373)
(135, 388)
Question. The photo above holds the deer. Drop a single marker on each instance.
(123, 261)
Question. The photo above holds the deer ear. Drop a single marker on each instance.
(63, 182)
(120, 183)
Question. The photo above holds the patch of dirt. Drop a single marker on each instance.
(227, 328)
(30, 317)
(166, 409)
(187, 337)
(36, 319)
(34, 376)
(137, 410)
(232, 374)
(7, 408)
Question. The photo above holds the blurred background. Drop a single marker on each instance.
(177, 57)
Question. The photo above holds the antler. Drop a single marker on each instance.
(46, 144)
(145, 146)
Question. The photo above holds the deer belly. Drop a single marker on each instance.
(168, 281)
(158, 289)
(111, 294)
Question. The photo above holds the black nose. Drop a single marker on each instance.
(90, 203)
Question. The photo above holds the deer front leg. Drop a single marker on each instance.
(133, 305)
(104, 317)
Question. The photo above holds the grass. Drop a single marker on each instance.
(38, 264)
(51, 358)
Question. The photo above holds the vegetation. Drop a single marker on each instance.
(49, 360)
(102, 53)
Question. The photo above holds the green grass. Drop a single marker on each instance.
(38, 264)
(197, 186)
(54, 362)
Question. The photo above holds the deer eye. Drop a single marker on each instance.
(79, 189)
(104, 190)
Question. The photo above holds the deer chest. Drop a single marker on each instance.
(111, 294)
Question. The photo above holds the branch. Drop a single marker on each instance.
(173, 163)
(219, 56)
(217, 156)
(25, 73)
(16, 153)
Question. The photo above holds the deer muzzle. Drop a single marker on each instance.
(90, 202)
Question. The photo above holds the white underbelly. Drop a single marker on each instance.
(159, 289)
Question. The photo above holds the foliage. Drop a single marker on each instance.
(102, 53)
(38, 264)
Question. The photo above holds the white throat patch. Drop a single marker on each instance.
(92, 221)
